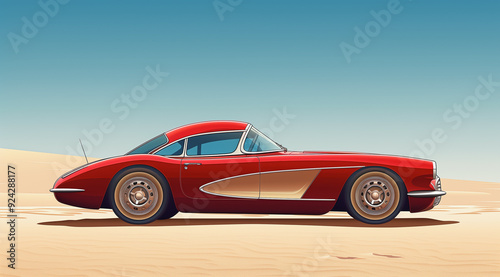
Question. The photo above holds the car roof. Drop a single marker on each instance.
(204, 127)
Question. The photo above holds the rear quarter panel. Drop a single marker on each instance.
(415, 173)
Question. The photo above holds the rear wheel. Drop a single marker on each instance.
(375, 196)
(140, 196)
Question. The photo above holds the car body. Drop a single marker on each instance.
(231, 167)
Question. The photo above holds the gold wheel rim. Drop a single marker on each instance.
(138, 195)
(375, 195)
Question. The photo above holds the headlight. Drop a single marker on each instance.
(434, 170)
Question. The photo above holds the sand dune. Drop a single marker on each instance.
(37, 171)
(458, 238)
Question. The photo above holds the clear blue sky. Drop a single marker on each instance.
(61, 79)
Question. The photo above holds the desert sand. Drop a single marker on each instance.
(460, 237)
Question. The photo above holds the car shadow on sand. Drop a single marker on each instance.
(327, 222)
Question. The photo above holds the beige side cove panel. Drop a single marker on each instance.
(286, 184)
(244, 186)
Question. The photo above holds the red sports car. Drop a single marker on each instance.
(231, 167)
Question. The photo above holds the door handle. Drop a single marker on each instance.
(187, 164)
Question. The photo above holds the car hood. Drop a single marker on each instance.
(360, 155)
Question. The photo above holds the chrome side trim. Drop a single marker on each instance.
(426, 193)
(299, 199)
(275, 171)
(265, 198)
(312, 168)
(66, 190)
(224, 195)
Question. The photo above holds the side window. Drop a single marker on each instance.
(258, 142)
(174, 149)
(213, 144)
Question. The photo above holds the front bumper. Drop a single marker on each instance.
(437, 192)
(76, 192)
(66, 190)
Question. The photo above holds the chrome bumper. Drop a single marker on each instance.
(426, 193)
(437, 193)
(66, 190)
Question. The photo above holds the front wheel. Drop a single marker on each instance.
(375, 196)
(140, 196)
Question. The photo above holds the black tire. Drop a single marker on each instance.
(374, 195)
(140, 195)
(169, 213)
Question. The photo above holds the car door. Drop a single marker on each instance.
(282, 176)
(214, 169)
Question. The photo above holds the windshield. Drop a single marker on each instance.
(258, 142)
(149, 145)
